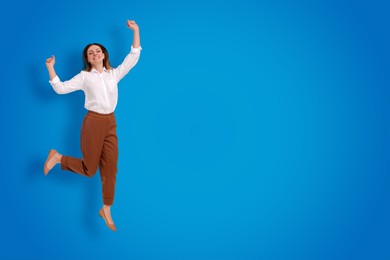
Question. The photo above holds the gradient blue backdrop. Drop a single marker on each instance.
(248, 130)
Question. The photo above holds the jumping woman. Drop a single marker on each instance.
(99, 142)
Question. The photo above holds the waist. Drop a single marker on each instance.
(95, 114)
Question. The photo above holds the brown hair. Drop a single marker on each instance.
(106, 61)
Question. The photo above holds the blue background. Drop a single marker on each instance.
(248, 130)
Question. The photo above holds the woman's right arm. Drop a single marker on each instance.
(50, 67)
(65, 87)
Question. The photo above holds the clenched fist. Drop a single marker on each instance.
(132, 25)
(51, 61)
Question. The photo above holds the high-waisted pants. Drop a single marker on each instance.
(99, 147)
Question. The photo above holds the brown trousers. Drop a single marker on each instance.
(99, 146)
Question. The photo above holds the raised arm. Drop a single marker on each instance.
(62, 87)
(134, 27)
(133, 57)
(50, 67)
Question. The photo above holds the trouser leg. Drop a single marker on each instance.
(93, 133)
(108, 163)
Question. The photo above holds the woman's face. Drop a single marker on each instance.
(95, 55)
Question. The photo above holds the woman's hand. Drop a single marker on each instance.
(50, 67)
(50, 61)
(132, 25)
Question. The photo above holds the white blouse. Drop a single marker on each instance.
(100, 89)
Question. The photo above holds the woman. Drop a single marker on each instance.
(99, 143)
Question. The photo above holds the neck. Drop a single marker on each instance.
(98, 67)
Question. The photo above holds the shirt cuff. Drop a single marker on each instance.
(136, 50)
(56, 79)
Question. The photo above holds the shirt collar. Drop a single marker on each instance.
(104, 70)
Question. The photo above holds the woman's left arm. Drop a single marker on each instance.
(133, 57)
(134, 27)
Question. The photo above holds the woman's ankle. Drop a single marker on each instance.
(59, 157)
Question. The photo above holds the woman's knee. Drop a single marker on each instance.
(90, 169)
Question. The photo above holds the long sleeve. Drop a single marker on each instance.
(76, 83)
(128, 63)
